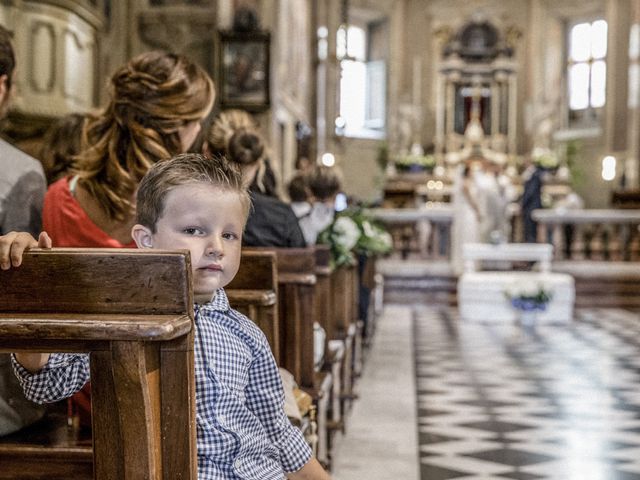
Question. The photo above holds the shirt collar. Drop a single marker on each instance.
(219, 302)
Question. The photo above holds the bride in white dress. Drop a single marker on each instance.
(467, 215)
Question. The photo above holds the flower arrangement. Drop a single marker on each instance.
(353, 232)
(528, 297)
(545, 158)
(414, 163)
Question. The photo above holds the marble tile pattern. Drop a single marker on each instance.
(496, 401)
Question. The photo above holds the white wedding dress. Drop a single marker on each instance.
(465, 228)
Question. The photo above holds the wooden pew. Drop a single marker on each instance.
(132, 310)
(296, 313)
(334, 353)
(344, 283)
(253, 292)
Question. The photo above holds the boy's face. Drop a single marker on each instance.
(206, 221)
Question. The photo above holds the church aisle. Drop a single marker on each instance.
(496, 402)
(381, 443)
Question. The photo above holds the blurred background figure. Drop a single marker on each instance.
(61, 143)
(531, 200)
(324, 184)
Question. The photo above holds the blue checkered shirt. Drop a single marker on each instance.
(242, 430)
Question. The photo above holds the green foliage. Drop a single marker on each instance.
(528, 296)
(382, 159)
(425, 162)
(572, 150)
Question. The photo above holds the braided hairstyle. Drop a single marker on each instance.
(152, 97)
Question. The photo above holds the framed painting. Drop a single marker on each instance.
(243, 66)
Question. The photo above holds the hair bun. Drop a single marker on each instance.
(245, 147)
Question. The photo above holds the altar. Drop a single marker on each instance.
(482, 295)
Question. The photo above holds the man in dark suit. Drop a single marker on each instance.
(531, 199)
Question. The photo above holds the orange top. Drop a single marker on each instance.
(67, 223)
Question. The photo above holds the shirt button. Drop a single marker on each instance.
(222, 418)
(237, 463)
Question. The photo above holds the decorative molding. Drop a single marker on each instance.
(82, 8)
(177, 29)
(35, 73)
(86, 56)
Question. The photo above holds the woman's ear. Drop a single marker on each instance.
(142, 236)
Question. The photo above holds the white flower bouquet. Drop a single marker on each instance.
(353, 232)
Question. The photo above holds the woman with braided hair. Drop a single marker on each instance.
(157, 101)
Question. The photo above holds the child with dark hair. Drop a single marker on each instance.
(324, 184)
(299, 195)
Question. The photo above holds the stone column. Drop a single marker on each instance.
(618, 23)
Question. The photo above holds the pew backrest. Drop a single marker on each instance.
(253, 292)
(132, 310)
(296, 310)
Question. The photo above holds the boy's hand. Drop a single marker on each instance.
(312, 470)
(14, 244)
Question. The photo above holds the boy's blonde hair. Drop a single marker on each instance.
(185, 169)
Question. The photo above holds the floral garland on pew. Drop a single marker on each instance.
(352, 233)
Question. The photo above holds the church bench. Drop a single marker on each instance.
(253, 292)
(482, 294)
(344, 288)
(132, 311)
(296, 280)
(335, 348)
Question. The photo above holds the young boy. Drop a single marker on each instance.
(196, 203)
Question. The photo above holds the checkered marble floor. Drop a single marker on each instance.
(499, 402)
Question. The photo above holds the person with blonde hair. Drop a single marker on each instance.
(200, 204)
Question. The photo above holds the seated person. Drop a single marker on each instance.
(299, 195)
(324, 184)
(199, 204)
(217, 141)
(271, 222)
(22, 187)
